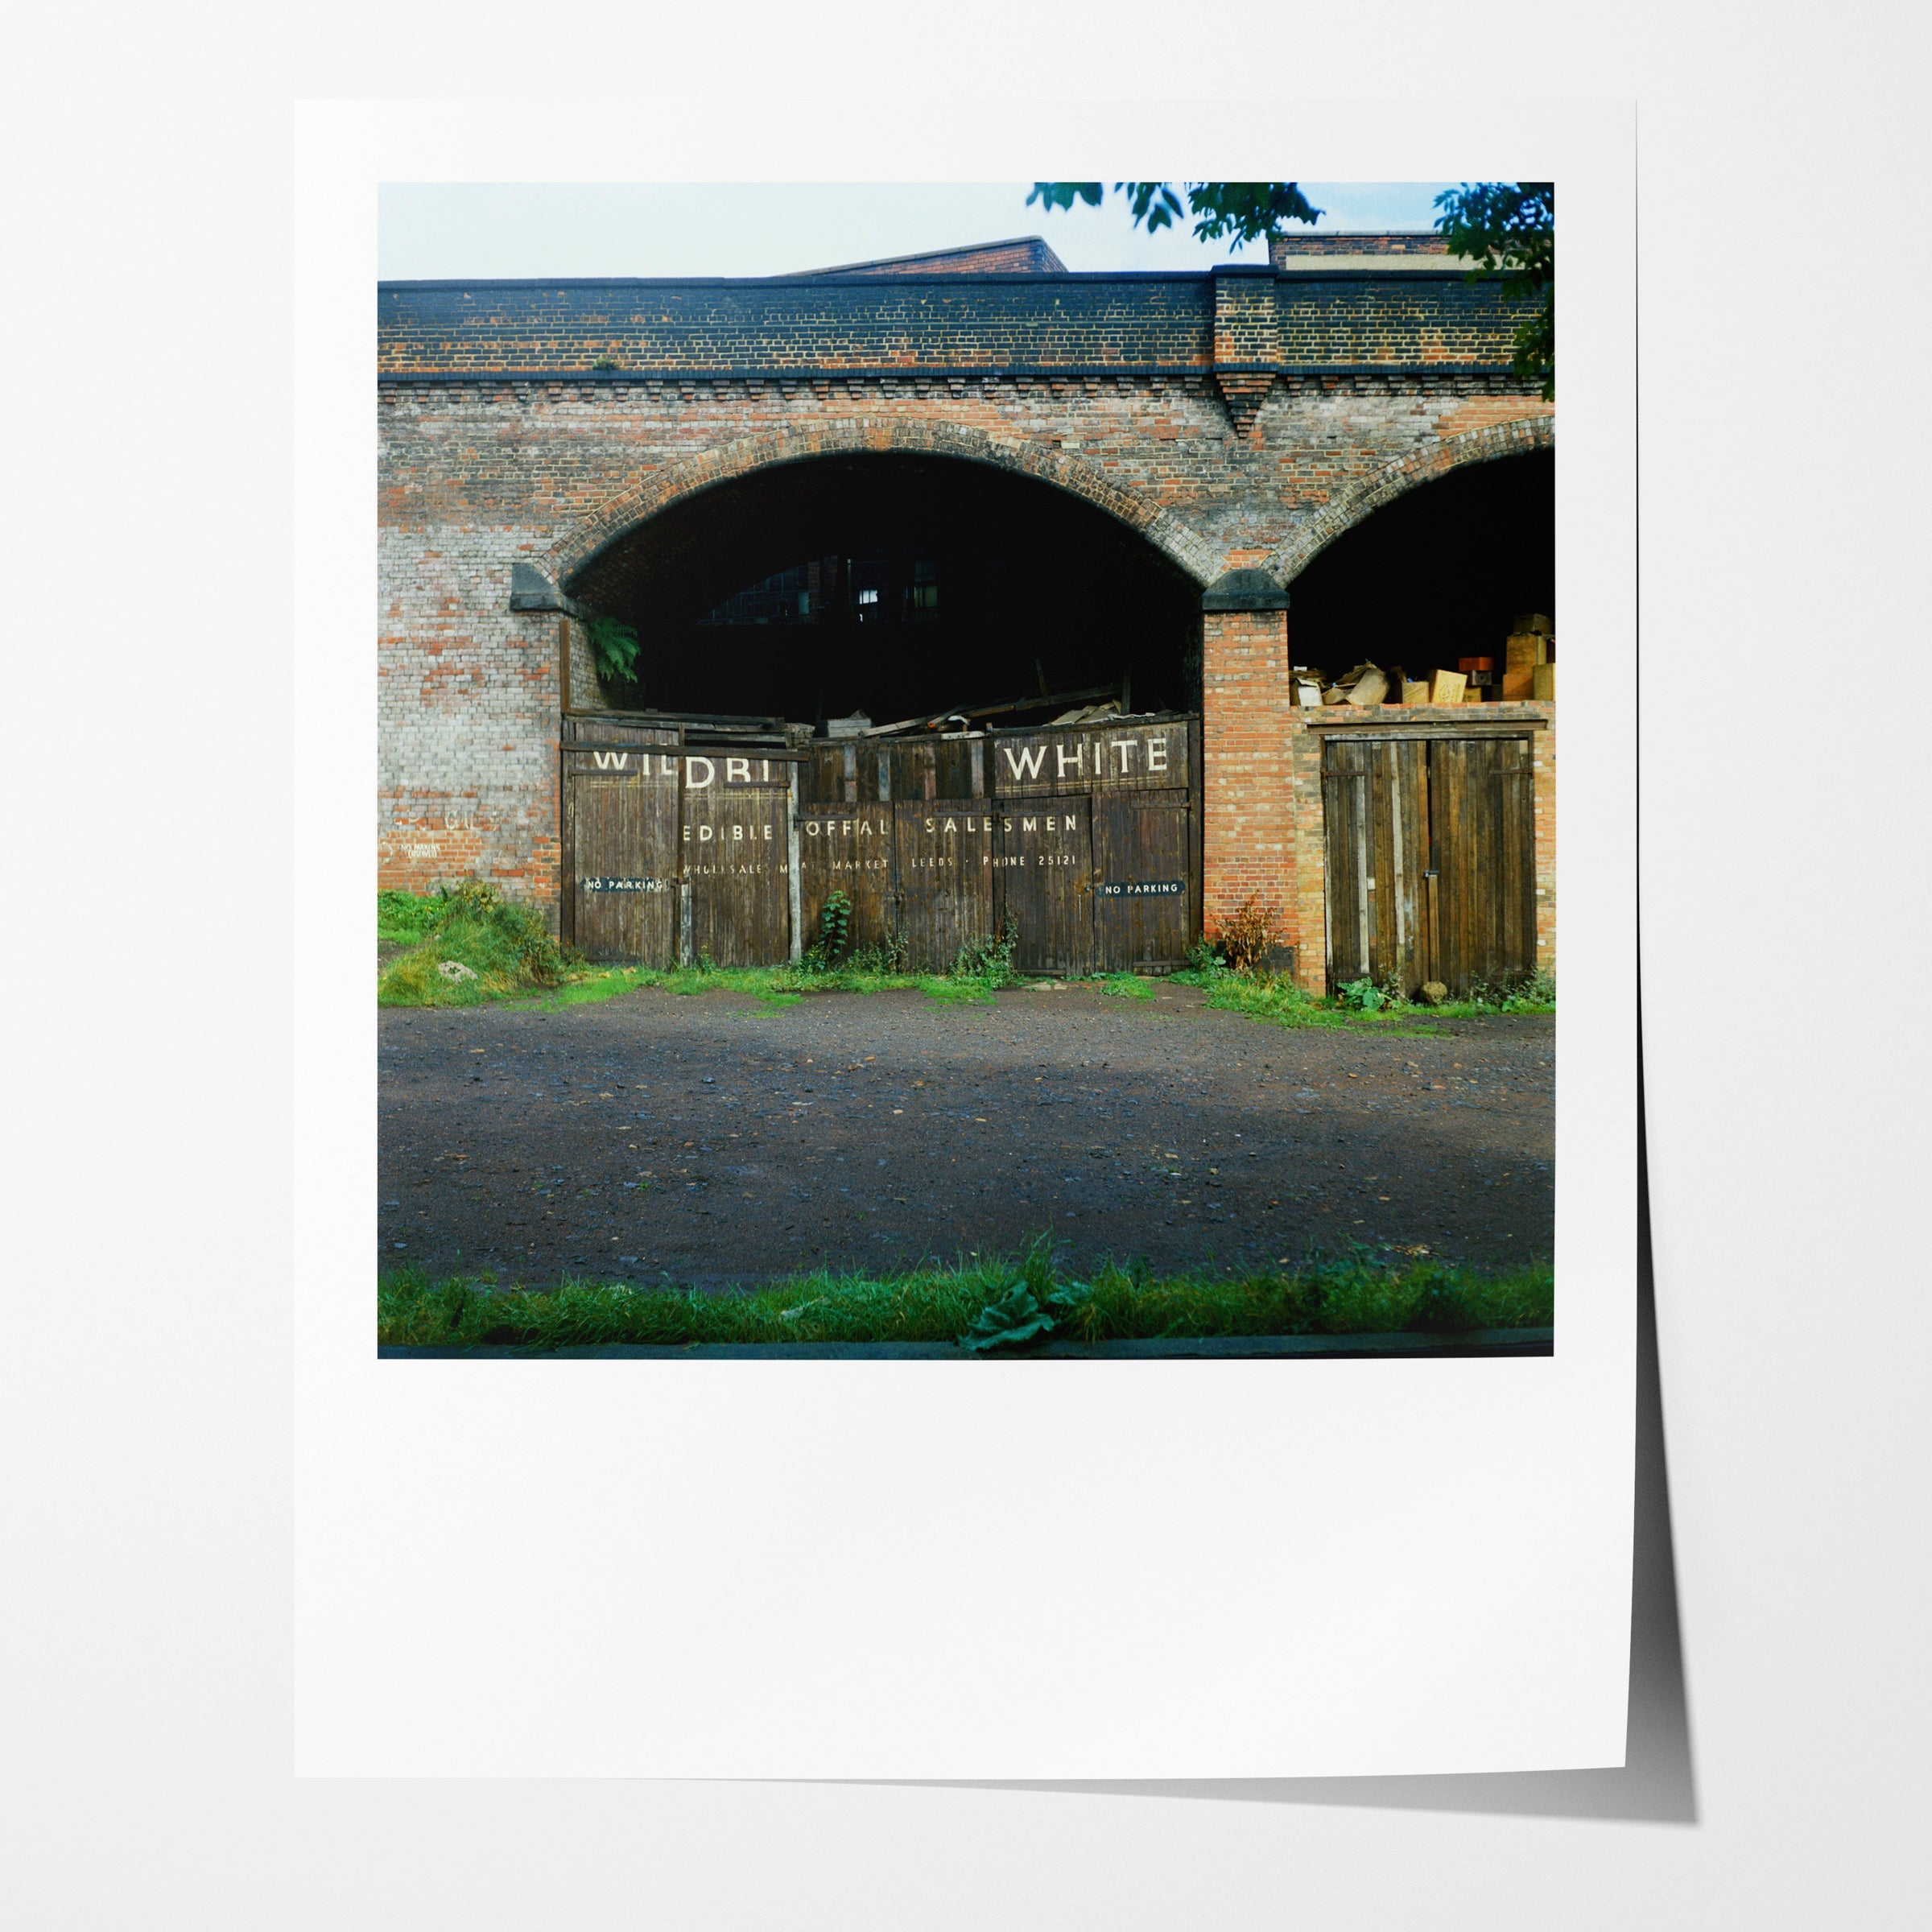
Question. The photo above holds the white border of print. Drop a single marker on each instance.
(906, 1570)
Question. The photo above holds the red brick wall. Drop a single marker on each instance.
(476, 476)
(1297, 244)
(1248, 820)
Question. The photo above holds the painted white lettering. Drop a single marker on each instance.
(1006, 824)
(1080, 758)
(1030, 824)
(737, 832)
(1050, 825)
(950, 826)
(767, 835)
(1069, 822)
(704, 834)
(737, 771)
(764, 768)
(1026, 763)
(690, 771)
(612, 761)
(1157, 754)
(1123, 746)
(864, 828)
(930, 825)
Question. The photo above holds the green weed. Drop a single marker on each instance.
(984, 1302)
(474, 944)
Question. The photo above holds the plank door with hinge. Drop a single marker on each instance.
(943, 854)
(1043, 869)
(1143, 860)
(621, 843)
(1375, 801)
(1482, 832)
(735, 841)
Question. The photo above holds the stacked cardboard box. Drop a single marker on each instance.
(1529, 659)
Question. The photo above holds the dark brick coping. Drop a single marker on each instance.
(921, 372)
(842, 278)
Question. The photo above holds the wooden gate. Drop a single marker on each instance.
(736, 846)
(620, 824)
(1430, 860)
(1083, 842)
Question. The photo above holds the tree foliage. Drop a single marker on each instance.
(1508, 228)
(1505, 228)
(1244, 211)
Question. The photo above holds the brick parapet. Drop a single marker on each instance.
(949, 322)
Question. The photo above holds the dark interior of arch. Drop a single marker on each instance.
(1438, 574)
(895, 584)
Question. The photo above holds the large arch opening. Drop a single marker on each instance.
(899, 585)
(1436, 575)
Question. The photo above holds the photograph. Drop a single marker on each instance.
(993, 801)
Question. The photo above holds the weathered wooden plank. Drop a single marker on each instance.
(942, 852)
(1346, 772)
(846, 848)
(1107, 756)
(1483, 845)
(1143, 855)
(619, 829)
(1043, 864)
(734, 844)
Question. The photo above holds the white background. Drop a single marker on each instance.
(148, 1721)
(915, 1570)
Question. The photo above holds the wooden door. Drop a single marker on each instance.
(846, 848)
(944, 852)
(735, 843)
(1043, 863)
(1143, 867)
(620, 820)
(1482, 834)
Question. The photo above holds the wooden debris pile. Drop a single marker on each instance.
(1527, 671)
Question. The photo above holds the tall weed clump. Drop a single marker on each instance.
(493, 944)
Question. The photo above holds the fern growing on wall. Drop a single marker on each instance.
(615, 647)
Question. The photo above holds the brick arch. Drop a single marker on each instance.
(619, 514)
(1518, 438)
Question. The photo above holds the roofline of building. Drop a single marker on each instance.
(935, 254)
(914, 372)
(1020, 277)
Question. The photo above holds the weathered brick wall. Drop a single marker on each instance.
(1131, 323)
(1248, 830)
(479, 472)
(1297, 245)
(467, 697)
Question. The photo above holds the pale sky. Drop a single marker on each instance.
(480, 229)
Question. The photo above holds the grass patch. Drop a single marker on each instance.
(402, 919)
(468, 944)
(1350, 1294)
(1125, 985)
(1279, 1001)
(501, 951)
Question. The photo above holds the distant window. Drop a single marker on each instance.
(868, 596)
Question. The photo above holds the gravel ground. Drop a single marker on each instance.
(718, 1140)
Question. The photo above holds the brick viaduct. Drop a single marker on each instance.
(1239, 420)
